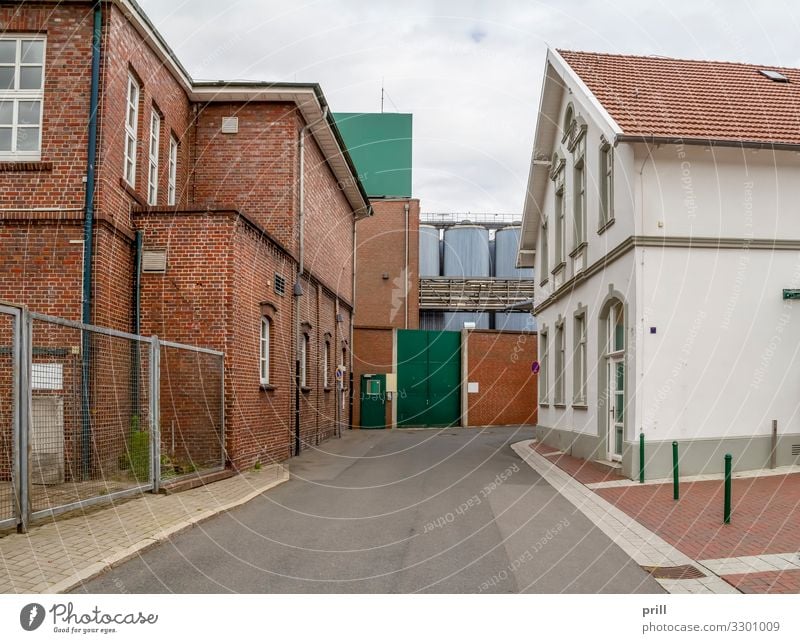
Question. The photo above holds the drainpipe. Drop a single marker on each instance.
(88, 240)
(137, 319)
(298, 285)
(405, 285)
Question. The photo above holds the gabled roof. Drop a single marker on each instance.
(667, 98)
(308, 98)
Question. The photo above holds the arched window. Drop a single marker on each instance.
(304, 354)
(613, 376)
(567, 124)
(264, 350)
(326, 364)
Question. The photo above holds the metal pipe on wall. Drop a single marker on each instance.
(298, 286)
(405, 270)
(88, 240)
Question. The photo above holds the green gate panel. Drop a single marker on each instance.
(428, 378)
(373, 401)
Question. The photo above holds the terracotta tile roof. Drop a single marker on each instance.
(667, 97)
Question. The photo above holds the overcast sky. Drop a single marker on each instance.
(470, 71)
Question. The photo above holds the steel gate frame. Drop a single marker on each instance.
(22, 400)
(16, 398)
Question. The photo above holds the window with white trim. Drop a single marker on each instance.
(152, 167)
(131, 129)
(304, 345)
(579, 382)
(606, 184)
(21, 97)
(560, 364)
(172, 175)
(325, 365)
(544, 268)
(561, 227)
(264, 350)
(579, 200)
(543, 364)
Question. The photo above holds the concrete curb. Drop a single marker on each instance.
(94, 569)
(643, 546)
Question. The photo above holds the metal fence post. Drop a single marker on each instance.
(155, 412)
(222, 418)
(24, 401)
(675, 474)
(641, 458)
(726, 510)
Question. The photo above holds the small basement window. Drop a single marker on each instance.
(773, 75)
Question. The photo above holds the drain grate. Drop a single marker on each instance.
(680, 572)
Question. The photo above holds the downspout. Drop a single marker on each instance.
(298, 285)
(88, 240)
(405, 272)
(351, 379)
(137, 324)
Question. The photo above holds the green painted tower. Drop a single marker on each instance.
(380, 146)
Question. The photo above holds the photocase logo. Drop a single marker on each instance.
(31, 616)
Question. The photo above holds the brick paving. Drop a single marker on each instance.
(783, 582)
(584, 471)
(765, 515)
(59, 554)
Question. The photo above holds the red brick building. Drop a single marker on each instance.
(205, 179)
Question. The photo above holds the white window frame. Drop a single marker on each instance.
(579, 199)
(263, 360)
(131, 131)
(304, 360)
(561, 366)
(606, 185)
(172, 176)
(16, 95)
(325, 362)
(545, 260)
(543, 364)
(152, 166)
(579, 384)
(561, 227)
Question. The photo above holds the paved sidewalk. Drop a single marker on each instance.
(59, 555)
(756, 553)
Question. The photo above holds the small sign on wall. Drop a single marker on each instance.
(472, 387)
(47, 377)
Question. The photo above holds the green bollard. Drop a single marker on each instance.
(727, 508)
(641, 458)
(675, 490)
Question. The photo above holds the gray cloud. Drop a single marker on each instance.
(469, 70)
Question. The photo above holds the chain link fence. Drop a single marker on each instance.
(89, 408)
(192, 412)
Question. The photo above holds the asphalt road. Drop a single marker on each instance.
(443, 511)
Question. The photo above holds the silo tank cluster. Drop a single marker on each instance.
(465, 251)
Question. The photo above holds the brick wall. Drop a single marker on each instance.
(381, 249)
(372, 354)
(500, 362)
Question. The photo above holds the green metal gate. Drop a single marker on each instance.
(428, 378)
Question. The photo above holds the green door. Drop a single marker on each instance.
(428, 378)
(373, 401)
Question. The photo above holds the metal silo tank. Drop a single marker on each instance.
(466, 251)
(506, 245)
(429, 251)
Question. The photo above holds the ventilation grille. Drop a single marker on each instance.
(796, 449)
(230, 124)
(154, 260)
(280, 284)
